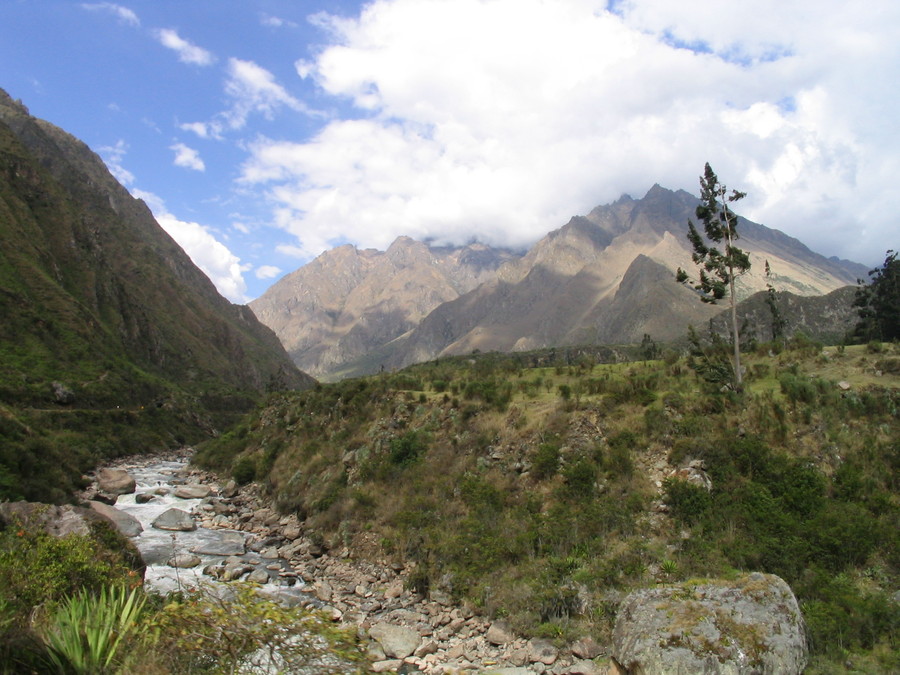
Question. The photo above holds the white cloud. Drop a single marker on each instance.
(222, 267)
(187, 52)
(202, 129)
(501, 119)
(187, 157)
(252, 90)
(112, 156)
(124, 14)
(267, 272)
(275, 21)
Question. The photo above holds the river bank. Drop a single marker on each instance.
(234, 533)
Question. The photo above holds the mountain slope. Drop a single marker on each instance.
(607, 277)
(348, 302)
(103, 311)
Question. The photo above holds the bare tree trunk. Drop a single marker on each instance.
(735, 338)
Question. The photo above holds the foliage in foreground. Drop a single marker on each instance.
(74, 605)
(87, 632)
(237, 630)
(526, 492)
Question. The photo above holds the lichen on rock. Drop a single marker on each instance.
(749, 625)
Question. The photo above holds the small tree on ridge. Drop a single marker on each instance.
(718, 269)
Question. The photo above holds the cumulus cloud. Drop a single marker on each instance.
(501, 119)
(252, 90)
(267, 272)
(222, 267)
(123, 14)
(187, 157)
(187, 52)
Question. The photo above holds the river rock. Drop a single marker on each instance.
(751, 625)
(115, 481)
(192, 491)
(542, 651)
(144, 498)
(227, 543)
(586, 648)
(230, 490)
(398, 642)
(124, 522)
(184, 560)
(258, 576)
(585, 667)
(499, 633)
(174, 519)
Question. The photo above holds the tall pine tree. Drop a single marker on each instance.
(718, 268)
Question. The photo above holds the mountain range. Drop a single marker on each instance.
(607, 277)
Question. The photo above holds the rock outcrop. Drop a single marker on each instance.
(750, 625)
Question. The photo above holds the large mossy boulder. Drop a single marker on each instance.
(716, 627)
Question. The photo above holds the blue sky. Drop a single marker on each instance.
(262, 133)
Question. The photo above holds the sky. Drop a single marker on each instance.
(262, 133)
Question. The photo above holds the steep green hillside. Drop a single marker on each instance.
(542, 494)
(111, 340)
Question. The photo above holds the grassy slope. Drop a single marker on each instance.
(532, 492)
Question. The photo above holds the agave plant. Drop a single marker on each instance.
(87, 631)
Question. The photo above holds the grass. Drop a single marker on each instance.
(513, 487)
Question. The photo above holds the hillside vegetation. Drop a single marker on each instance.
(542, 487)
(111, 340)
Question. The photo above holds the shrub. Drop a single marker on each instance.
(85, 634)
(204, 631)
(36, 567)
(406, 449)
(687, 502)
(244, 470)
(546, 461)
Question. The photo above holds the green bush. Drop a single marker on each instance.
(406, 449)
(244, 470)
(36, 567)
(202, 632)
(545, 463)
(687, 502)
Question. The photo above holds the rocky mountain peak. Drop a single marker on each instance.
(606, 276)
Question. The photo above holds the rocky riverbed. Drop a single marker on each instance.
(190, 526)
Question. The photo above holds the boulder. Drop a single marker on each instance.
(144, 498)
(115, 481)
(59, 521)
(227, 543)
(193, 491)
(499, 633)
(586, 648)
(398, 642)
(584, 667)
(183, 561)
(62, 394)
(174, 519)
(124, 522)
(749, 625)
(542, 651)
(258, 576)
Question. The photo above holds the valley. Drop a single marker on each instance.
(507, 457)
